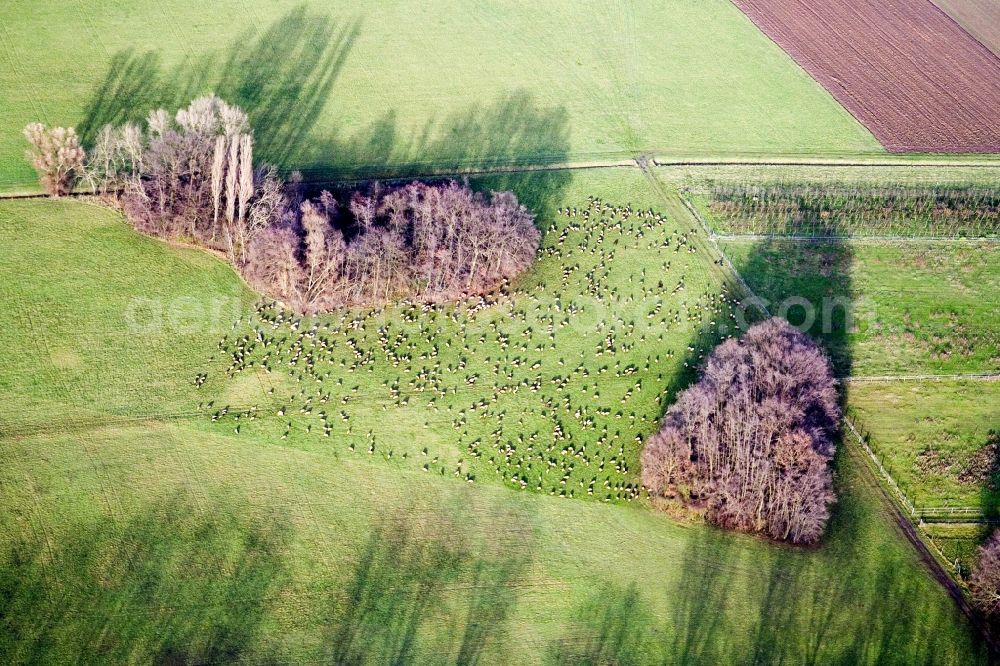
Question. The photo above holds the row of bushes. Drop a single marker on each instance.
(863, 211)
(192, 176)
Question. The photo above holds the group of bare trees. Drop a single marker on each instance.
(984, 584)
(191, 176)
(426, 242)
(752, 442)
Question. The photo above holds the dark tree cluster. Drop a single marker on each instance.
(751, 443)
(191, 176)
(429, 243)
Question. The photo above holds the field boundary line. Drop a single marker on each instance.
(929, 554)
(885, 160)
(857, 239)
(896, 492)
(877, 160)
(424, 175)
(728, 270)
(876, 379)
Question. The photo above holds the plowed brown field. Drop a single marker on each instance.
(904, 68)
(980, 17)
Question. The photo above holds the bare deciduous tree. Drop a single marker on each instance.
(273, 263)
(218, 171)
(190, 175)
(56, 155)
(232, 176)
(324, 254)
(985, 580)
(752, 441)
(246, 179)
(115, 156)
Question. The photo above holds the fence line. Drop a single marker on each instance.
(856, 239)
(936, 514)
(874, 379)
(886, 476)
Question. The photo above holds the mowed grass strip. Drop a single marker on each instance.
(366, 88)
(939, 440)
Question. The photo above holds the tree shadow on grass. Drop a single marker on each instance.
(428, 590)
(793, 606)
(707, 336)
(739, 600)
(285, 76)
(172, 585)
(282, 78)
(511, 131)
(809, 284)
(479, 137)
(613, 627)
(842, 602)
(132, 86)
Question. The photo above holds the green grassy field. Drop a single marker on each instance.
(89, 324)
(137, 528)
(918, 308)
(138, 543)
(552, 387)
(362, 88)
(937, 439)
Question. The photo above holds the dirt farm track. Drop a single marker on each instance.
(904, 68)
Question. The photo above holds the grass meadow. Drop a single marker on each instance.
(939, 439)
(958, 542)
(918, 307)
(361, 88)
(146, 522)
